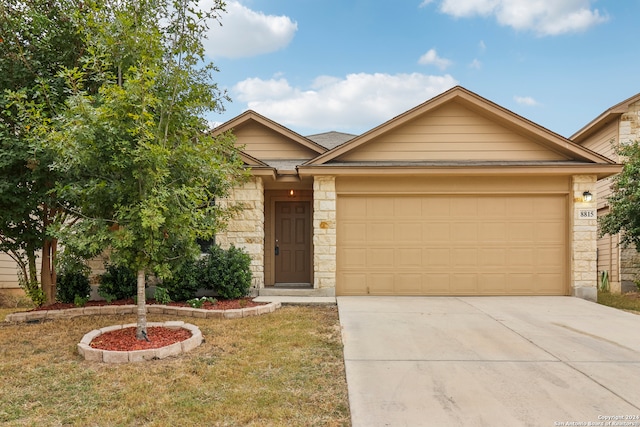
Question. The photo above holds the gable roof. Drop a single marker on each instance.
(331, 139)
(252, 116)
(474, 102)
(604, 119)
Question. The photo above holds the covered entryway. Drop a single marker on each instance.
(292, 252)
(453, 243)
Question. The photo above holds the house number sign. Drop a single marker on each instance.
(587, 214)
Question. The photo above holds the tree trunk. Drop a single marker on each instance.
(47, 271)
(141, 330)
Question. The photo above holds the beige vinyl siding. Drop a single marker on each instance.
(452, 132)
(8, 272)
(454, 236)
(609, 255)
(602, 143)
(264, 143)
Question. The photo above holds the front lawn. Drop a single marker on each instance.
(284, 368)
(629, 301)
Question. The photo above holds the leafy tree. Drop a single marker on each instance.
(624, 202)
(37, 39)
(146, 170)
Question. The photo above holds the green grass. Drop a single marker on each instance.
(629, 302)
(284, 368)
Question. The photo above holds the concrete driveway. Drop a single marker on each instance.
(489, 361)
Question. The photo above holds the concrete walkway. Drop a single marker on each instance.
(489, 361)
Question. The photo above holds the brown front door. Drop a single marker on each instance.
(293, 242)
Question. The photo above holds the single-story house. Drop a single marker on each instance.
(619, 124)
(457, 196)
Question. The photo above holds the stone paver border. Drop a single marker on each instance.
(31, 316)
(107, 356)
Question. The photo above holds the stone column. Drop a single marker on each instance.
(246, 229)
(584, 238)
(324, 232)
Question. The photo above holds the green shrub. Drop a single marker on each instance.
(118, 282)
(227, 272)
(72, 280)
(79, 301)
(32, 289)
(162, 296)
(185, 281)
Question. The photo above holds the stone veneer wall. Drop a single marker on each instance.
(629, 262)
(324, 232)
(246, 229)
(584, 235)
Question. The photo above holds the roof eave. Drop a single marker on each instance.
(601, 170)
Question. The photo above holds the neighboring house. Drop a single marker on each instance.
(8, 274)
(620, 124)
(457, 196)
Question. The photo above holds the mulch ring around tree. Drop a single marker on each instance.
(125, 339)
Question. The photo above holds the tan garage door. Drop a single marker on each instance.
(452, 245)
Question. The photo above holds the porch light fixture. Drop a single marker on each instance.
(587, 196)
(291, 193)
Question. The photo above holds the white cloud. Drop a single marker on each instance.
(526, 100)
(544, 17)
(245, 33)
(432, 58)
(354, 103)
(475, 64)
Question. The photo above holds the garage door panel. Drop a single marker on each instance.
(354, 283)
(492, 258)
(522, 283)
(380, 232)
(464, 283)
(492, 232)
(410, 257)
(464, 257)
(353, 258)
(380, 207)
(549, 232)
(408, 284)
(355, 233)
(437, 207)
(462, 207)
(520, 232)
(464, 232)
(381, 283)
(380, 258)
(545, 284)
(452, 245)
(410, 232)
(492, 284)
(407, 208)
(436, 257)
(521, 257)
(437, 284)
(437, 232)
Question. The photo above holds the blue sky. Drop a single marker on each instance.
(350, 65)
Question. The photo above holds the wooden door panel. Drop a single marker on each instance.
(293, 242)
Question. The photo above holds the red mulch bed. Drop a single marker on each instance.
(220, 305)
(125, 339)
